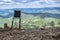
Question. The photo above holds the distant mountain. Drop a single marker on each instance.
(43, 15)
(32, 10)
(6, 16)
(35, 10)
(53, 12)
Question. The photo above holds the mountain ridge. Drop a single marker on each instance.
(33, 11)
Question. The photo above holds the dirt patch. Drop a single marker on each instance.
(40, 34)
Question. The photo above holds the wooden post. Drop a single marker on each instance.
(20, 22)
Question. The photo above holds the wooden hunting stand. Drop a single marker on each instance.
(17, 14)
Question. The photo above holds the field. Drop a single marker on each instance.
(31, 21)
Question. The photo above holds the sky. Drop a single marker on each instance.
(8, 4)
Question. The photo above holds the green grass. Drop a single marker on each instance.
(30, 21)
(5, 20)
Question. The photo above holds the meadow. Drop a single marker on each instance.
(31, 21)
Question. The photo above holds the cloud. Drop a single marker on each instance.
(5, 4)
(1, 2)
(7, 0)
(50, 1)
(24, 1)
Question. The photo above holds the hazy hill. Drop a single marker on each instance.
(53, 12)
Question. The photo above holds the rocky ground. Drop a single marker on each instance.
(40, 34)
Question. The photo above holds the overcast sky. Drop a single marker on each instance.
(8, 4)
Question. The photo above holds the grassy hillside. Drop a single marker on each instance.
(5, 20)
(31, 21)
